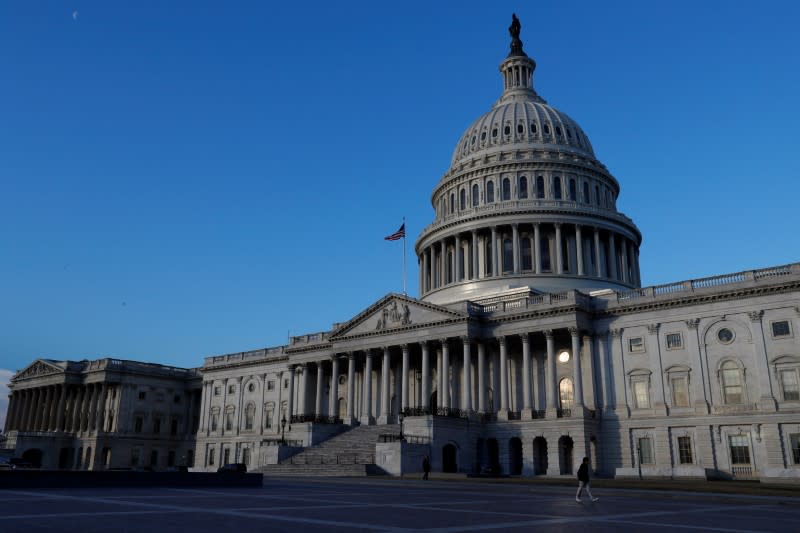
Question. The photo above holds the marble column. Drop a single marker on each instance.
(551, 376)
(466, 389)
(515, 246)
(404, 380)
(432, 264)
(366, 411)
(385, 393)
(351, 378)
(333, 402)
(597, 267)
(527, 412)
(494, 252)
(537, 247)
(302, 393)
(290, 399)
(318, 399)
(481, 377)
(445, 397)
(577, 375)
(766, 395)
(503, 378)
(426, 376)
(624, 252)
(474, 255)
(579, 249)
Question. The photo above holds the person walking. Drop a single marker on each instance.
(426, 467)
(583, 481)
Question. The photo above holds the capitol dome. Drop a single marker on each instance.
(525, 204)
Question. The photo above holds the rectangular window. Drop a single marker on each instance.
(211, 454)
(641, 394)
(135, 456)
(646, 456)
(246, 456)
(176, 399)
(636, 344)
(674, 341)
(680, 392)
(217, 391)
(740, 449)
(173, 427)
(794, 442)
(137, 424)
(685, 450)
(156, 425)
(781, 328)
(790, 385)
(270, 385)
(228, 422)
(732, 383)
(226, 458)
(231, 389)
(142, 395)
(268, 421)
(171, 458)
(214, 421)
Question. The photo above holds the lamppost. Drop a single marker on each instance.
(283, 428)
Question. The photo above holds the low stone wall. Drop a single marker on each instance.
(17, 479)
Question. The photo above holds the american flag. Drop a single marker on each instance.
(397, 235)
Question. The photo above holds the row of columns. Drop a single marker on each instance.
(437, 268)
(465, 402)
(58, 407)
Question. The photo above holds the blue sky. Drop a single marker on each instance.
(183, 179)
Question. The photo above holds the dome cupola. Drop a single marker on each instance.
(525, 202)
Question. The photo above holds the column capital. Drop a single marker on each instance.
(548, 333)
(617, 332)
(557, 225)
(653, 328)
(404, 347)
(574, 331)
(465, 339)
(501, 340)
(333, 357)
(350, 355)
(755, 316)
(525, 337)
(443, 341)
(515, 225)
(692, 323)
(384, 349)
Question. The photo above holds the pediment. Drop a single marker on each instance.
(394, 312)
(37, 369)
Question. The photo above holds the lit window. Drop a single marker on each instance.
(781, 329)
(636, 344)
(731, 383)
(685, 450)
(563, 357)
(566, 393)
(680, 392)
(674, 341)
(790, 385)
(646, 456)
(641, 394)
(475, 195)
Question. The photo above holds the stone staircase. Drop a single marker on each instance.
(351, 453)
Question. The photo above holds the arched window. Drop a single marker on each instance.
(487, 267)
(565, 393)
(539, 187)
(557, 188)
(214, 418)
(463, 199)
(585, 192)
(506, 189)
(546, 128)
(597, 195)
(525, 248)
(523, 187)
(533, 127)
(229, 418)
(270, 413)
(573, 192)
(489, 192)
(475, 195)
(449, 266)
(452, 203)
(249, 416)
(508, 255)
(732, 383)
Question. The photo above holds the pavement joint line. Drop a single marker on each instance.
(683, 526)
(87, 514)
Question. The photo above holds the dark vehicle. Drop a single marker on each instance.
(239, 468)
(19, 462)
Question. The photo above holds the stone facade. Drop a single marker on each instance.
(106, 413)
(532, 343)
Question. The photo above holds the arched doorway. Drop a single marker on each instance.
(565, 450)
(33, 456)
(515, 456)
(494, 456)
(449, 461)
(539, 456)
(481, 462)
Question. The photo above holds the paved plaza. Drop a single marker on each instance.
(387, 505)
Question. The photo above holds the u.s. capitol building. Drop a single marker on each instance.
(531, 345)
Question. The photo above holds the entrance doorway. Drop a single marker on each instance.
(539, 456)
(449, 462)
(565, 448)
(33, 456)
(515, 456)
(494, 456)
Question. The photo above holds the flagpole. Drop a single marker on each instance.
(404, 258)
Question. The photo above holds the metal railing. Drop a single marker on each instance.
(317, 419)
(564, 413)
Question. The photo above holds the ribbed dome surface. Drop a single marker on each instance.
(522, 121)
